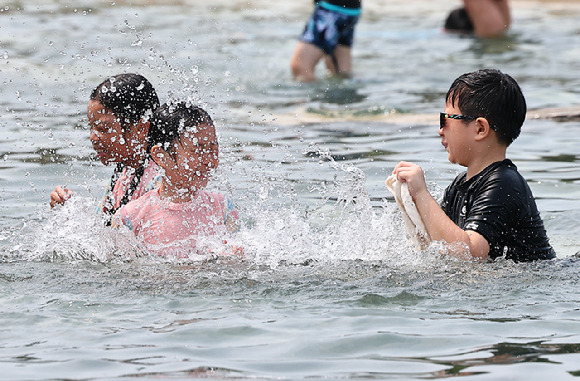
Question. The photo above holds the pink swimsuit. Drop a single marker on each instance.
(173, 229)
(149, 181)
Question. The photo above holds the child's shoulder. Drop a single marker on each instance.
(501, 175)
(508, 171)
(219, 200)
(139, 203)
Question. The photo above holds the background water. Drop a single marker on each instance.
(330, 287)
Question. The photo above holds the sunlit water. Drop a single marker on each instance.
(330, 287)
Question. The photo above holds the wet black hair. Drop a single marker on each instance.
(171, 120)
(131, 97)
(491, 94)
(459, 21)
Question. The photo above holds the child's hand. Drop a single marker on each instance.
(413, 175)
(59, 196)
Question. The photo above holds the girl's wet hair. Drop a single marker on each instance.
(491, 94)
(172, 120)
(131, 97)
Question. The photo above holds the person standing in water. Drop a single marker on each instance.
(489, 210)
(118, 113)
(171, 219)
(329, 34)
(484, 18)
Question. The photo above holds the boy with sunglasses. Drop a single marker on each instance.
(489, 210)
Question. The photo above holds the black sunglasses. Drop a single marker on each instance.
(444, 115)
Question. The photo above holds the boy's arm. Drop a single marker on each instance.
(439, 226)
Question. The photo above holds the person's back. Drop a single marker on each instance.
(484, 18)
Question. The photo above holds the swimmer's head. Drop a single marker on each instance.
(118, 114)
(131, 97)
(491, 94)
(459, 21)
(187, 134)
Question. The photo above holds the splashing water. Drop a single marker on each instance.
(347, 229)
(74, 231)
(343, 226)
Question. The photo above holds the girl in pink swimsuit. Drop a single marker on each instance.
(173, 219)
(118, 113)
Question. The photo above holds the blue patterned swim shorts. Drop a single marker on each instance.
(328, 28)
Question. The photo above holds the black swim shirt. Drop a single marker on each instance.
(498, 204)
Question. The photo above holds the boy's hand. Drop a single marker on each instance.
(59, 196)
(413, 175)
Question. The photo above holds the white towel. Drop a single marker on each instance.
(413, 220)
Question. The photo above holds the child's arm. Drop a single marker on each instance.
(59, 196)
(439, 226)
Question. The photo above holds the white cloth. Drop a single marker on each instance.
(413, 220)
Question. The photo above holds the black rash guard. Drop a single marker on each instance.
(498, 204)
(351, 4)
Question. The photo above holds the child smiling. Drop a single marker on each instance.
(170, 220)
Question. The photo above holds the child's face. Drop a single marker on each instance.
(192, 159)
(112, 143)
(457, 137)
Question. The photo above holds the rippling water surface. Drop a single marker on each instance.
(330, 287)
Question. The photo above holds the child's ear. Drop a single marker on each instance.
(160, 156)
(482, 127)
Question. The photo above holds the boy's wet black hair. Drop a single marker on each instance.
(131, 97)
(491, 94)
(171, 120)
(459, 21)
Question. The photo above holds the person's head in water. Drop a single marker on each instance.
(183, 143)
(118, 113)
(459, 21)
